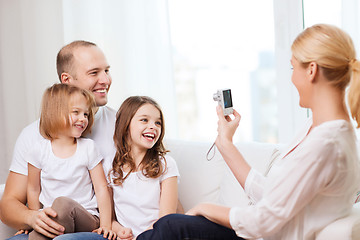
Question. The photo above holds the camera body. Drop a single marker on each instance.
(223, 97)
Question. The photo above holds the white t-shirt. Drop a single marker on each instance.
(305, 189)
(68, 177)
(102, 133)
(137, 201)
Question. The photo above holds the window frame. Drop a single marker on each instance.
(289, 22)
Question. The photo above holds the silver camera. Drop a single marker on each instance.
(223, 97)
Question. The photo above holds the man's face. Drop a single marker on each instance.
(91, 71)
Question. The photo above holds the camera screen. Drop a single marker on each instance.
(227, 98)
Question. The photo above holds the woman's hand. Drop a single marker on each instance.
(107, 232)
(233, 158)
(226, 126)
(213, 212)
(195, 211)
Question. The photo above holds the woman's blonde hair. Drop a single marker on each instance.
(55, 109)
(151, 164)
(333, 51)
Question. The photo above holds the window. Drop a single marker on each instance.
(224, 44)
(342, 13)
(312, 15)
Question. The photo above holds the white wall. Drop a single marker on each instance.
(30, 39)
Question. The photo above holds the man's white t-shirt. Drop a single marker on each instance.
(102, 133)
(137, 201)
(68, 177)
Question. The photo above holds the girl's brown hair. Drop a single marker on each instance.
(55, 109)
(151, 164)
(333, 50)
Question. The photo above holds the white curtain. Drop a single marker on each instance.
(288, 19)
(134, 36)
(30, 37)
(136, 40)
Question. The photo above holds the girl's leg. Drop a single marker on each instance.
(177, 226)
(74, 217)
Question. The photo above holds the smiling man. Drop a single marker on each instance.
(84, 65)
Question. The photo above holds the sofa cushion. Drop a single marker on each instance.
(202, 175)
(347, 228)
(231, 192)
(258, 155)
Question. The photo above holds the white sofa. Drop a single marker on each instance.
(212, 181)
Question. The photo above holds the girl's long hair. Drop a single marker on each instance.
(151, 164)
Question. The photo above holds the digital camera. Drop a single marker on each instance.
(223, 97)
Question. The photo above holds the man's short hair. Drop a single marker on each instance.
(65, 57)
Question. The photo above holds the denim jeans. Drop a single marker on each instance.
(19, 237)
(68, 236)
(181, 227)
(80, 236)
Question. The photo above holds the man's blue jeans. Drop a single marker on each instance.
(180, 227)
(68, 236)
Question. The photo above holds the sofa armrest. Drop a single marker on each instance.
(5, 231)
(347, 228)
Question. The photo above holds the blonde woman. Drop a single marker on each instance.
(315, 181)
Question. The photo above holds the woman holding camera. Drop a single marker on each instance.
(311, 184)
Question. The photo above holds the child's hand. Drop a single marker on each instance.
(107, 232)
(21, 232)
(125, 234)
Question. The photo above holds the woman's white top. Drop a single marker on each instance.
(137, 201)
(68, 177)
(306, 189)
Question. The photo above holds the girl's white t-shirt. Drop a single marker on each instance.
(137, 201)
(68, 177)
(102, 132)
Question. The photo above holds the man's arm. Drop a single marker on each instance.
(13, 210)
